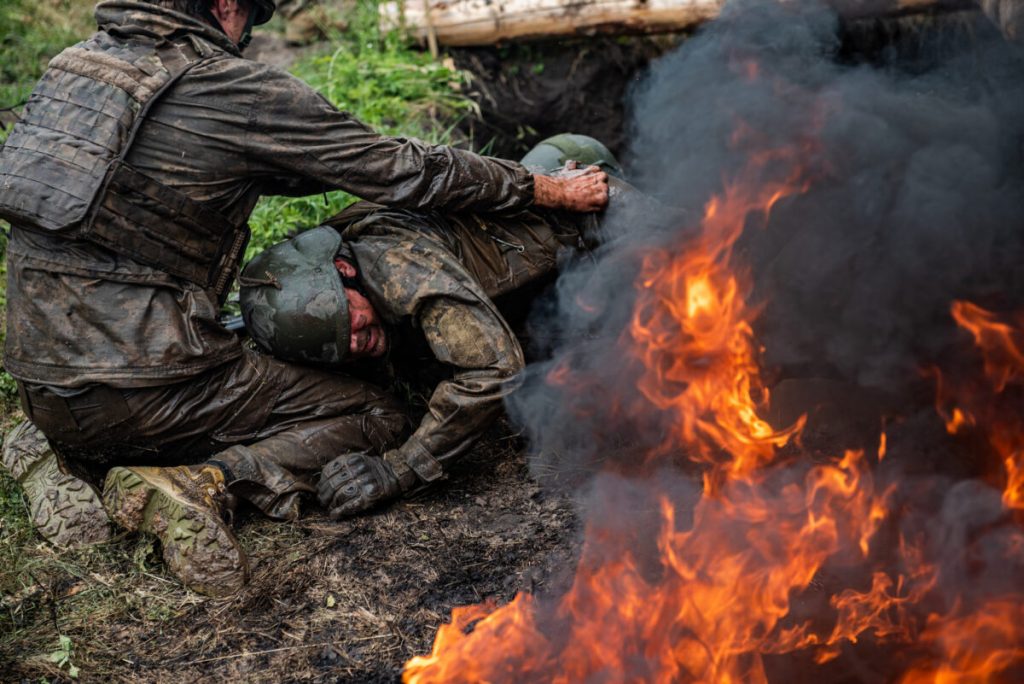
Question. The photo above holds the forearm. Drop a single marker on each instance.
(296, 133)
(459, 412)
(410, 174)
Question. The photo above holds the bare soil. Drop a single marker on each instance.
(329, 601)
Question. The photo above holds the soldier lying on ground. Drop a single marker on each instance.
(438, 274)
(128, 183)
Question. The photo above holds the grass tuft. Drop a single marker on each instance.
(32, 32)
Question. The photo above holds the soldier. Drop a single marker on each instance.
(438, 273)
(128, 183)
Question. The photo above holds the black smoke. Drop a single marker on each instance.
(915, 198)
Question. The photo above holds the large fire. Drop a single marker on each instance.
(720, 598)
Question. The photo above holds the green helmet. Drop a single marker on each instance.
(293, 300)
(551, 154)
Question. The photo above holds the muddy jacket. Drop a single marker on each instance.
(441, 273)
(227, 132)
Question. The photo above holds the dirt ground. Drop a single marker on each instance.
(347, 601)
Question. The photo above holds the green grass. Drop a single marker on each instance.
(31, 32)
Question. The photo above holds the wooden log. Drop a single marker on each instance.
(486, 22)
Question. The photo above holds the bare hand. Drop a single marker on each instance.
(574, 189)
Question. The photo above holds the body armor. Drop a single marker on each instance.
(63, 168)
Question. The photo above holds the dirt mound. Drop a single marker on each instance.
(530, 92)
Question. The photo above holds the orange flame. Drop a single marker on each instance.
(973, 647)
(718, 597)
(691, 329)
(1001, 344)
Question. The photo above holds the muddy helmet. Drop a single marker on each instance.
(551, 154)
(293, 300)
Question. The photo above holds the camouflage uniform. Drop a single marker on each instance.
(441, 274)
(117, 357)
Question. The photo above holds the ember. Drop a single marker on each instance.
(781, 563)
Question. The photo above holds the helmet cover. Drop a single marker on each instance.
(293, 301)
(551, 154)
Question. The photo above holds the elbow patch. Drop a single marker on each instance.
(464, 336)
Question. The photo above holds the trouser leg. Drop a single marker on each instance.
(272, 425)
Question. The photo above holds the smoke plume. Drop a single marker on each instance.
(911, 196)
(915, 198)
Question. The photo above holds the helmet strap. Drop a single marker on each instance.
(247, 32)
(353, 284)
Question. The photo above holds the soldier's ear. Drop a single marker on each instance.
(345, 267)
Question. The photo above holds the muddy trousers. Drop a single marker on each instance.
(270, 425)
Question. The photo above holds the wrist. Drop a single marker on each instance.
(547, 192)
(405, 475)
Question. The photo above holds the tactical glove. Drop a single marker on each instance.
(357, 482)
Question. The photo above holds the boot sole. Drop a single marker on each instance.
(65, 510)
(198, 547)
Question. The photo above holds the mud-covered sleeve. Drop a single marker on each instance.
(484, 356)
(294, 132)
(466, 333)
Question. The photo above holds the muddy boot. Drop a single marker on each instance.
(185, 507)
(65, 510)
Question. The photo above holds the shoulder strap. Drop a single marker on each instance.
(155, 224)
(178, 58)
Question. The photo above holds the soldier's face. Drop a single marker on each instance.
(233, 16)
(368, 338)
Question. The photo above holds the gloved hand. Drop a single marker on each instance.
(357, 482)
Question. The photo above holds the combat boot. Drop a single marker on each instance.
(66, 510)
(185, 507)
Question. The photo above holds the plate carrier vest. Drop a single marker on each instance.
(63, 169)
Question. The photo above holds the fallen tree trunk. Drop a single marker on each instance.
(486, 22)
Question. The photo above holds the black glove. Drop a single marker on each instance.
(354, 483)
